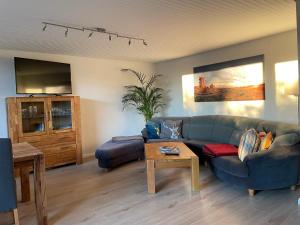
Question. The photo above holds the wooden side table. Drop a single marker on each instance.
(26, 156)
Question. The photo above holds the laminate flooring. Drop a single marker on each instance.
(86, 194)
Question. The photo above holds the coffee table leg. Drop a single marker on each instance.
(151, 176)
(195, 174)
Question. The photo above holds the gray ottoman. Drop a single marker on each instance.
(114, 153)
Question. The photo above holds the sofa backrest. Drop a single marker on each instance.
(227, 129)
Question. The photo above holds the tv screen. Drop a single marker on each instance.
(42, 77)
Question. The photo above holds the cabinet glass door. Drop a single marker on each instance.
(33, 117)
(61, 114)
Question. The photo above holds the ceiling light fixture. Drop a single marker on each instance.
(66, 32)
(93, 30)
(45, 27)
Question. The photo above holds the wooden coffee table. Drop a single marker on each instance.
(157, 160)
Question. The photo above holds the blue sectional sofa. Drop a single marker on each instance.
(273, 169)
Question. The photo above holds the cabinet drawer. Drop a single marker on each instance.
(68, 155)
(59, 155)
(49, 140)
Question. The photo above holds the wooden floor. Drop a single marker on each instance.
(86, 194)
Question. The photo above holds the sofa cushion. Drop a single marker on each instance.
(231, 165)
(201, 127)
(236, 136)
(249, 143)
(185, 123)
(198, 143)
(215, 150)
(266, 140)
(223, 128)
(153, 129)
(171, 129)
(127, 138)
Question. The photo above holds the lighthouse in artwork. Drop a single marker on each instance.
(202, 85)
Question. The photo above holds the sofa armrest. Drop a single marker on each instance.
(271, 156)
(275, 168)
(145, 134)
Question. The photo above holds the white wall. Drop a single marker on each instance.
(277, 106)
(98, 82)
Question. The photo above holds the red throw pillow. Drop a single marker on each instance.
(215, 150)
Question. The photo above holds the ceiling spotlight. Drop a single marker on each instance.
(145, 43)
(129, 42)
(109, 37)
(66, 33)
(90, 35)
(45, 27)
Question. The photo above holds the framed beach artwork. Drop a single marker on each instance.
(236, 80)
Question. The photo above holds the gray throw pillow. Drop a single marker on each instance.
(171, 129)
(286, 140)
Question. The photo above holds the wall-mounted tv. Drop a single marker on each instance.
(42, 77)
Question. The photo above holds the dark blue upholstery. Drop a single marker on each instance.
(112, 154)
(278, 167)
(8, 199)
(231, 165)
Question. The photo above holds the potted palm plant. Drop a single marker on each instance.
(145, 98)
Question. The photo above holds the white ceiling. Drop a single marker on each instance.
(173, 28)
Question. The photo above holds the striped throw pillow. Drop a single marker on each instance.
(249, 143)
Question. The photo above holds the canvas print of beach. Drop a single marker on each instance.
(238, 83)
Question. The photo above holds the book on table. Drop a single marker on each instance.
(169, 150)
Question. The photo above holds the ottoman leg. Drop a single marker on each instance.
(251, 192)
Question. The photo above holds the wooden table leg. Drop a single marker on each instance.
(151, 176)
(40, 190)
(195, 174)
(16, 217)
(25, 185)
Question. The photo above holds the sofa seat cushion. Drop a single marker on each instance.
(198, 143)
(215, 150)
(231, 165)
(118, 149)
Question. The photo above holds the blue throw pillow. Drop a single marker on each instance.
(153, 130)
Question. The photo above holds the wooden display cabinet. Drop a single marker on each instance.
(52, 124)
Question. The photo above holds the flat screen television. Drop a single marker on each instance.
(42, 77)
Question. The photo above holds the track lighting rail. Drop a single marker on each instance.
(93, 30)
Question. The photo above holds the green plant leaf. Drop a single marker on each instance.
(146, 99)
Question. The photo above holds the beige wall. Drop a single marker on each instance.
(98, 82)
(278, 105)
